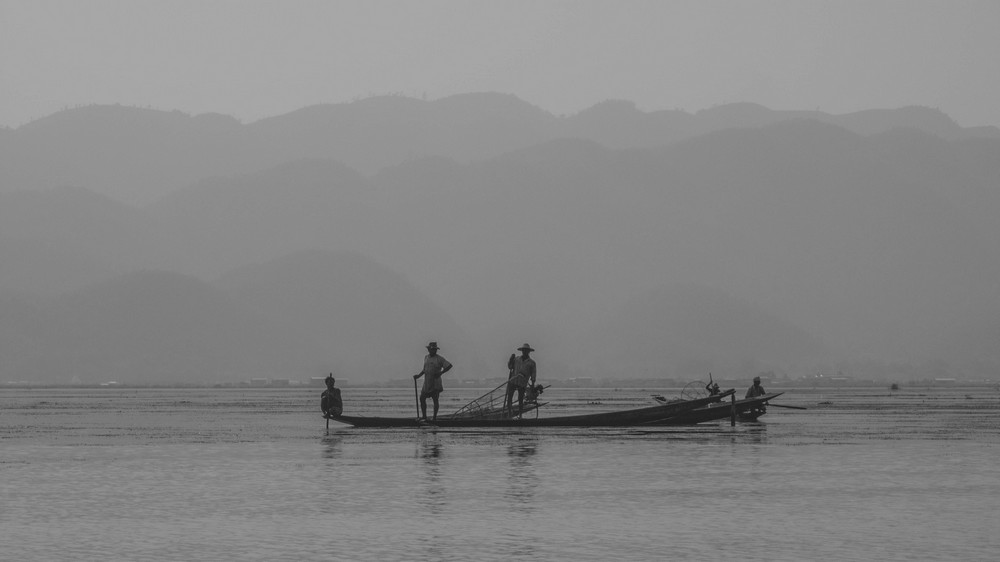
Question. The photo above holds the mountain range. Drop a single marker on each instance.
(149, 246)
(137, 155)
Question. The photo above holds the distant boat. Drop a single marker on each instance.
(748, 409)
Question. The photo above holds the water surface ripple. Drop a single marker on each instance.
(252, 474)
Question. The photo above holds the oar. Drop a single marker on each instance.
(416, 397)
(789, 407)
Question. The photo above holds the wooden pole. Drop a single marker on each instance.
(732, 413)
(416, 397)
(791, 407)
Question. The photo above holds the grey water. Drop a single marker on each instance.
(254, 474)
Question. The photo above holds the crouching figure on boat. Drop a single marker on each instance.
(330, 401)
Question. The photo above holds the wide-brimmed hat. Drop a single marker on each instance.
(525, 347)
(433, 345)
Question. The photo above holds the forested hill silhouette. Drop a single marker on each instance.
(147, 328)
(60, 239)
(693, 328)
(371, 321)
(137, 155)
(303, 315)
(824, 247)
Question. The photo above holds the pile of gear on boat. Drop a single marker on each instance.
(488, 411)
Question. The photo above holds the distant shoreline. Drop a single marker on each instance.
(798, 386)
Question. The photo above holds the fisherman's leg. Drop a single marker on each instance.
(436, 404)
(423, 405)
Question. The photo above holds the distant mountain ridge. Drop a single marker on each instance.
(137, 155)
(795, 245)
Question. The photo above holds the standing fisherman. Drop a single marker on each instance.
(434, 367)
(522, 371)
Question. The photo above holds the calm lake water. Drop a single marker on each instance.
(246, 474)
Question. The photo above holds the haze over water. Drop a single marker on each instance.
(205, 193)
(155, 474)
(197, 192)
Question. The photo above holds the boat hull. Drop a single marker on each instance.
(624, 418)
(746, 410)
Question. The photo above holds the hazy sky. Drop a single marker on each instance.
(254, 59)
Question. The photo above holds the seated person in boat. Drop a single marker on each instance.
(523, 371)
(756, 389)
(434, 367)
(330, 401)
(712, 387)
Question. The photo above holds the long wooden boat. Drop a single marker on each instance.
(621, 418)
(747, 409)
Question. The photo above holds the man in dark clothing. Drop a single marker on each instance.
(753, 392)
(712, 387)
(434, 367)
(330, 401)
(523, 371)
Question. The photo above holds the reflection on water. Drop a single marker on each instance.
(430, 452)
(521, 490)
(331, 445)
(749, 432)
(232, 475)
(522, 481)
(429, 447)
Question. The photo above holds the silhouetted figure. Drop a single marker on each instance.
(753, 392)
(522, 373)
(756, 389)
(330, 400)
(434, 367)
(712, 387)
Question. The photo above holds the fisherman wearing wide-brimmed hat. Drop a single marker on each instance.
(434, 367)
(523, 371)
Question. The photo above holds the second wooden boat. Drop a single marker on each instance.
(748, 409)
